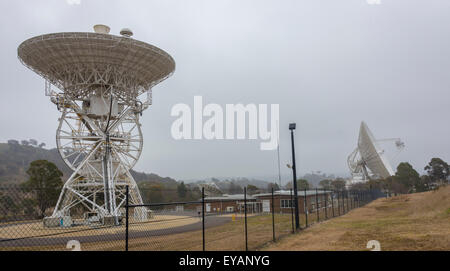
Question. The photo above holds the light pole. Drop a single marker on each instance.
(292, 127)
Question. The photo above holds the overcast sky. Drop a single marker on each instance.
(328, 64)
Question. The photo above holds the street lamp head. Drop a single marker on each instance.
(292, 126)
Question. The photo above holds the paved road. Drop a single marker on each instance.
(210, 221)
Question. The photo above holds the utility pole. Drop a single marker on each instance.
(292, 127)
(278, 150)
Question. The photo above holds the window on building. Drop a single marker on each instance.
(286, 203)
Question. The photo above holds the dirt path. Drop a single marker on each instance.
(407, 222)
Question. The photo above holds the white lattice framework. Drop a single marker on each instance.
(100, 148)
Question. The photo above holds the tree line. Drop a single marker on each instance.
(406, 179)
(41, 191)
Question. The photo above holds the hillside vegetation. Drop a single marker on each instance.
(418, 221)
(16, 158)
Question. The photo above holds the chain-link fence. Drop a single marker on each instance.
(213, 223)
(25, 224)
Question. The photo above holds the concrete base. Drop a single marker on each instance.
(51, 222)
(110, 220)
(142, 214)
(66, 221)
(149, 214)
(55, 222)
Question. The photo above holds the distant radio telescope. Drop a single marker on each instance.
(101, 80)
(368, 161)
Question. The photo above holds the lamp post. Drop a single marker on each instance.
(292, 127)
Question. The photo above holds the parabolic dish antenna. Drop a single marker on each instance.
(101, 79)
(368, 160)
(78, 63)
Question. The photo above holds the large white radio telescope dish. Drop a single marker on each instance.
(101, 79)
(368, 160)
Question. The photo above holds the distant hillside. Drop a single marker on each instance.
(232, 185)
(141, 177)
(16, 158)
(315, 178)
(225, 183)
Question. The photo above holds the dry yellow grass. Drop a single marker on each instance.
(407, 222)
(227, 237)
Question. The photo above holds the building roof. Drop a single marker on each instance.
(288, 193)
(231, 197)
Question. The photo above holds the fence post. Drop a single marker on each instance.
(357, 199)
(325, 196)
(351, 199)
(306, 209)
(292, 211)
(273, 217)
(343, 203)
(348, 198)
(317, 206)
(332, 202)
(245, 213)
(126, 216)
(360, 198)
(339, 204)
(203, 218)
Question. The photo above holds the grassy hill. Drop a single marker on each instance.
(408, 222)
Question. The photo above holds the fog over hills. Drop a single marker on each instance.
(262, 181)
(16, 156)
